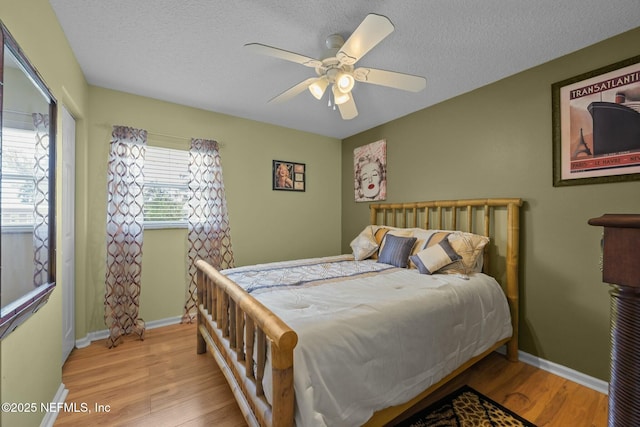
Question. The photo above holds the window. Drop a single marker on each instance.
(166, 187)
(18, 182)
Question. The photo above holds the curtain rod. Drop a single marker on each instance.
(164, 135)
(169, 136)
(181, 138)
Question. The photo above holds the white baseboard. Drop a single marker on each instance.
(99, 335)
(50, 417)
(562, 371)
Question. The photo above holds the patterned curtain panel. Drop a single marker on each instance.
(41, 197)
(209, 232)
(124, 233)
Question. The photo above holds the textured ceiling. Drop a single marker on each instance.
(191, 52)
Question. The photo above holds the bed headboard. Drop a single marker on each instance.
(498, 219)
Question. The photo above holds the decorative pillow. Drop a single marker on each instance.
(426, 238)
(470, 247)
(379, 234)
(396, 250)
(423, 237)
(433, 258)
(381, 231)
(477, 268)
(364, 245)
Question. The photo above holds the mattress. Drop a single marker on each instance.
(371, 335)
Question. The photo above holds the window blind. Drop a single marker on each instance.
(166, 181)
(18, 182)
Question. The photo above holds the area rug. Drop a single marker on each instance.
(466, 407)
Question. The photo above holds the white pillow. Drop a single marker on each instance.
(364, 245)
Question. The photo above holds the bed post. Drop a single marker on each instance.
(201, 346)
(513, 249)
(283, 404)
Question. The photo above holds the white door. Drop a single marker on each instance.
(67, 215)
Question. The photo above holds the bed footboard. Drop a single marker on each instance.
(236, 328)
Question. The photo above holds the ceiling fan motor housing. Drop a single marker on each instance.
(334, 69)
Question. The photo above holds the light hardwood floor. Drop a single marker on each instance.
(161, 381)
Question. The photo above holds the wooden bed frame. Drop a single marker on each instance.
(230, 320)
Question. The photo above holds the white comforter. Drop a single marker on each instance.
(366, 343)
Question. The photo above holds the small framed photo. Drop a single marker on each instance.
(596, 126)
(289, 176)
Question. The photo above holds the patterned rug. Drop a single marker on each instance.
(466, 407)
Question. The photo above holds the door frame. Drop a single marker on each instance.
(68, 232)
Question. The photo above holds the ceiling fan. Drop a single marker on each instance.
(336, 68)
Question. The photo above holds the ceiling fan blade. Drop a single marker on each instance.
(348, 110)
(293, 91)
(371, 31)
(263, 49)
(390, 79)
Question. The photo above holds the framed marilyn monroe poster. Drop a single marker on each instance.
(370, 171)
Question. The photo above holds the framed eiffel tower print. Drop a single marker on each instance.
(596, 125)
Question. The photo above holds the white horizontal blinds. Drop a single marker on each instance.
(18, 181)
(166, 180)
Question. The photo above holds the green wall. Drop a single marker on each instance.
(497, 142)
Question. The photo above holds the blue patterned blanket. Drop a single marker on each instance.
(300, 273)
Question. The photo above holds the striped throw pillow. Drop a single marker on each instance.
(396, 250)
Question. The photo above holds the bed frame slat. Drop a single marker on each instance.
(251, 336)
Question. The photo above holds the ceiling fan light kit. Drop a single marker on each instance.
(318, 87)
(340, 98)
(345, 82)
(337, 66)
